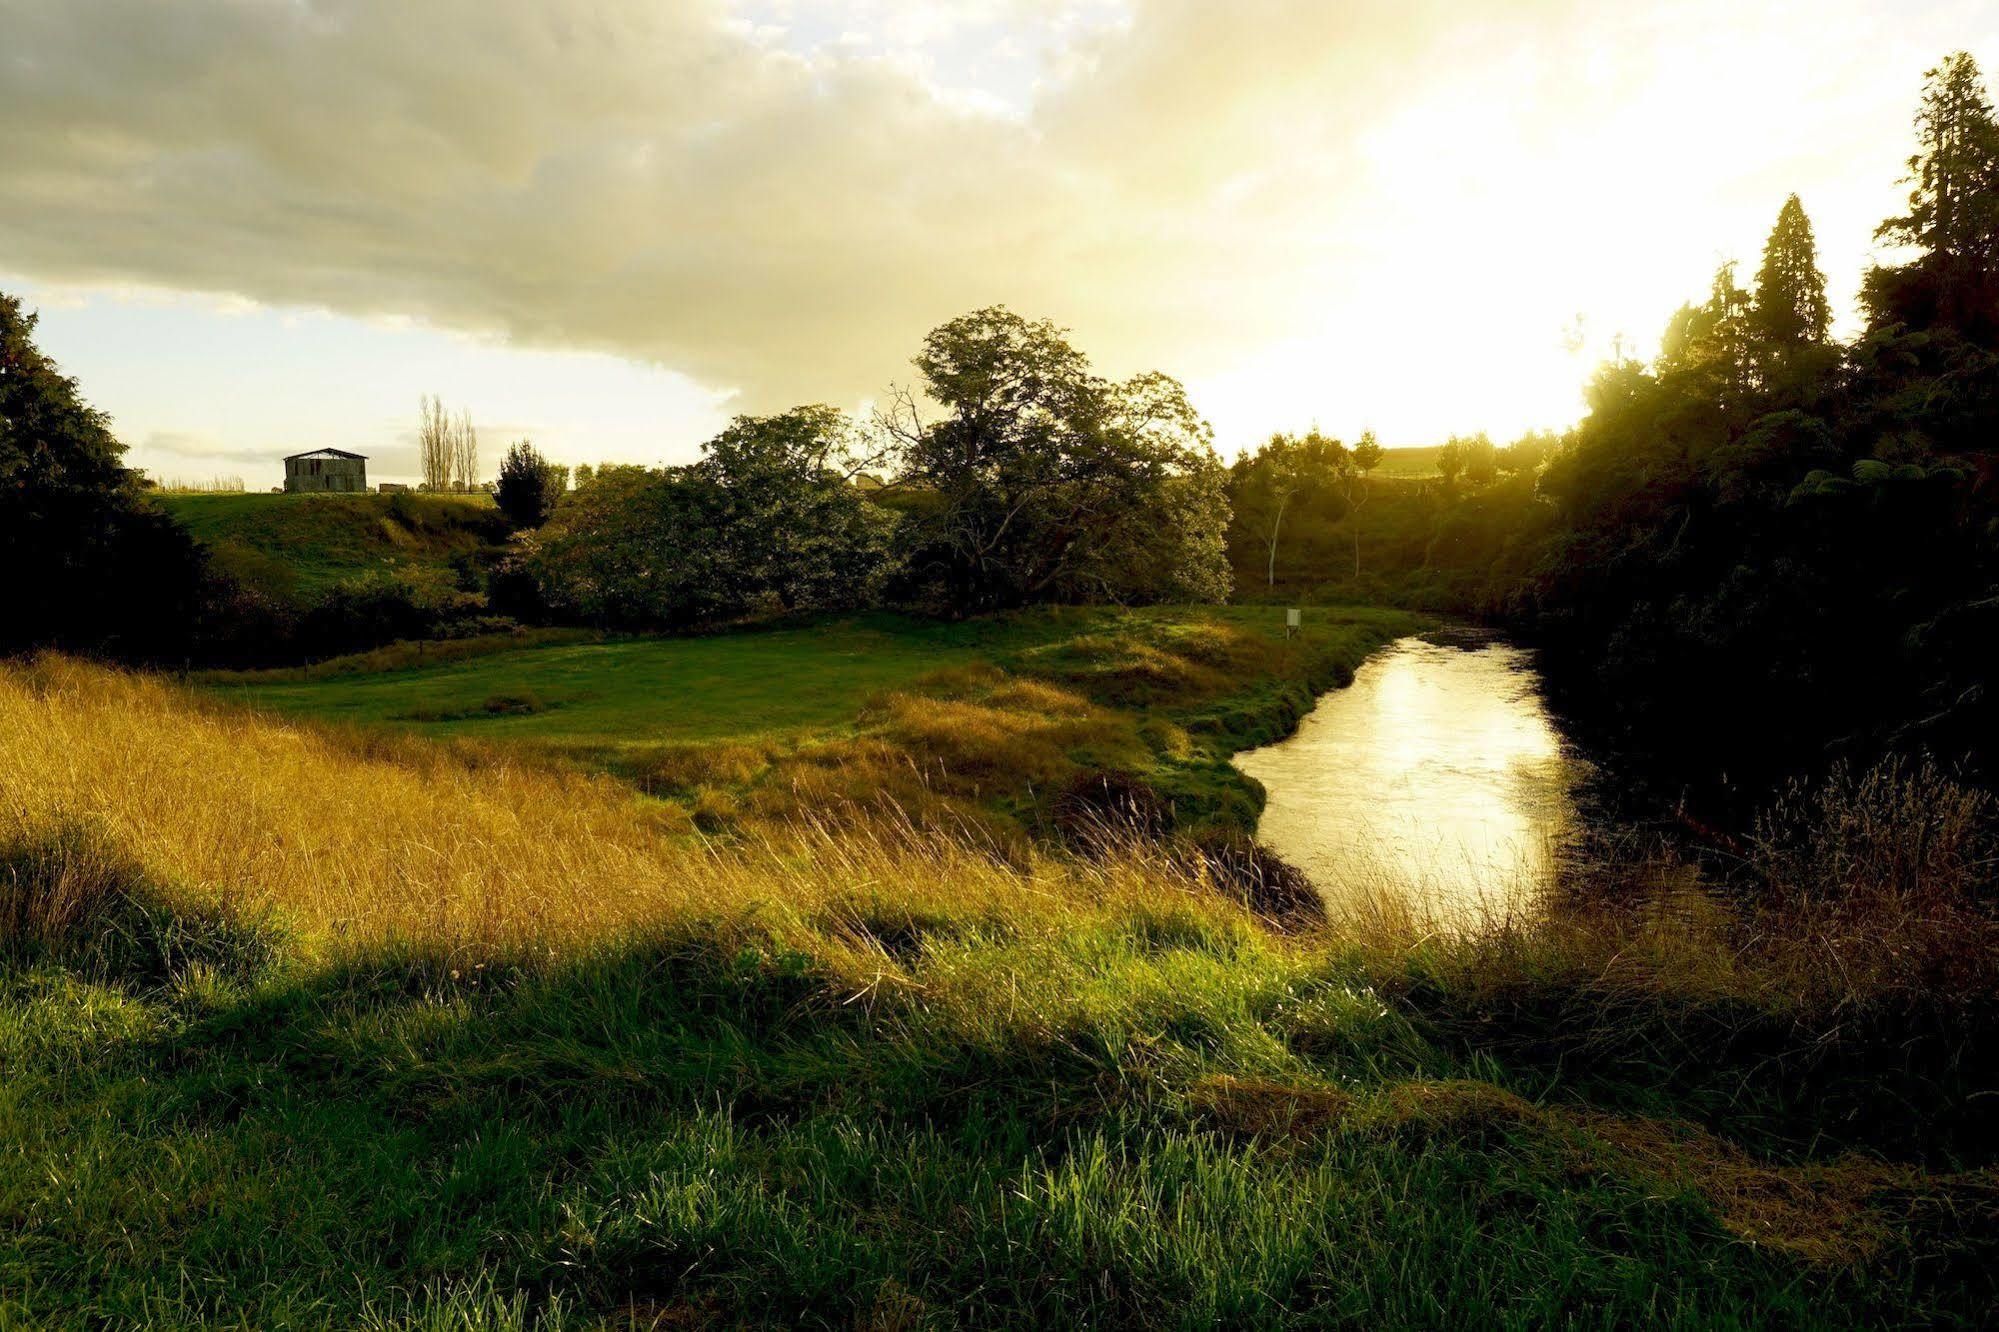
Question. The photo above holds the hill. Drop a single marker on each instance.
(296, 547)
(1410, 463)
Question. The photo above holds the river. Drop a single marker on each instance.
(1438, 781)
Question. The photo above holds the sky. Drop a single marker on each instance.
(254, 227)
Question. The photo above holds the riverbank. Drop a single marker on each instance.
(520, 1054)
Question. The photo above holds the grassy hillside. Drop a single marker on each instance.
(301, 1031)
(300, 545)
(998, 719)
(1415, 463)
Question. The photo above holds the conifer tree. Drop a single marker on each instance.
(1953, 217)
(1790, 311)
(1954, 202)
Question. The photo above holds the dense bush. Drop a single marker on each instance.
(765, 522)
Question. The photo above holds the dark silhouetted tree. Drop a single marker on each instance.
(529, 485)
(1790, 311)
(85, 561)
(1953, 217)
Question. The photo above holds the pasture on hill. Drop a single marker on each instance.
(299, 545)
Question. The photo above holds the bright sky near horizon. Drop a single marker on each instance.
(259, 226)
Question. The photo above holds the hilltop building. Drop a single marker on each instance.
(326, 470)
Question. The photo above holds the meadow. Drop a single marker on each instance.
(998, 721)
(336, 1027)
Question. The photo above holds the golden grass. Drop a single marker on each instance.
(352, 837)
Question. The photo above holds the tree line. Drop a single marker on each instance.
(1768, 539)
(1015, 475)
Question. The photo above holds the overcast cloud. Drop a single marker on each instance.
(779, 198)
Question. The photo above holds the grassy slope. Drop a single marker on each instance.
(997, 715)
(302, 544)
(511, 1059)
(1418, 462)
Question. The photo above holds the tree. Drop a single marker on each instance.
(765, 522)
(1951, 204)
(1953, 217)
(447, 448)
(1366, 456)
(1044, 482)
(1451, 461)
(436, 437)
(529, 485)
(1527, 453)
(794, 532)
(85, 561)
(464, 455)
(1472, 456)
(1790, 312)
(633, 549)
(1711, 347)
(1266, 481)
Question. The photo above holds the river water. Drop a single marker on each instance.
(1438, 781)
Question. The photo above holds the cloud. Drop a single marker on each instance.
(747, 195)
(652, 179)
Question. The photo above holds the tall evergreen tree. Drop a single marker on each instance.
(1790, 311)
(1953, 217)
(1955, 171)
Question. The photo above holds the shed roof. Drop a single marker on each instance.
(327, 453)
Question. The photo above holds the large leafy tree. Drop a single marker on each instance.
(85, 561)
(1044, 482)
(794, 533)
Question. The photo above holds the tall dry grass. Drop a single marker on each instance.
(1875, 888)
(384, 841)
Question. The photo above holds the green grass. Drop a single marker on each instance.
(1150, 1124)
(300, 545)
(934, 1087)
(790, 682)
(1175, 708)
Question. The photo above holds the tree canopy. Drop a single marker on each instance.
(85, 560)
(1046, 482)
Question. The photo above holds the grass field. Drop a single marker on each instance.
(302, 1030)
(1410, 463)
(995, 717)
(299, 545)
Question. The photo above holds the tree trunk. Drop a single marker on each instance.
(1270, 574)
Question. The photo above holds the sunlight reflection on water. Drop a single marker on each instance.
(1437, 777)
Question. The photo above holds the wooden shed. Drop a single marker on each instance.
(326, 470)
